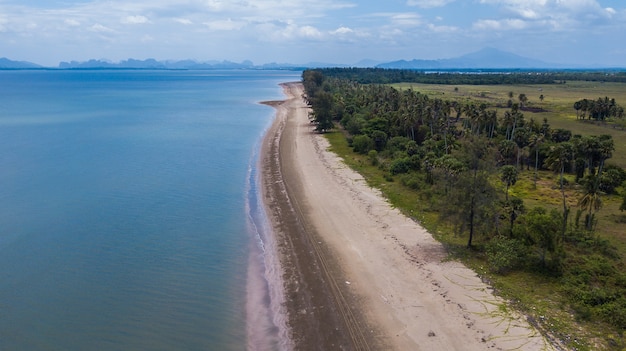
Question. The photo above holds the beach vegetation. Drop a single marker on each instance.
(530, 188)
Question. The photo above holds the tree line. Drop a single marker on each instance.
(470, 77)
(600, 110)
(463, 158)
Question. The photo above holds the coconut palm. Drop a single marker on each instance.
(535, 141)
(508, 174)
(590, 202)
(557, 159)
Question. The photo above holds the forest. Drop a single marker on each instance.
(462, 158)
(476, 77)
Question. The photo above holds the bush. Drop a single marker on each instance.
(398, 143)
(611, 178)
(412, 148)
(401, 165)
(353, 125)
(415, 162)
(504, 254)
(362, 144)
(380, 140)
(373, 156)
(413, 181)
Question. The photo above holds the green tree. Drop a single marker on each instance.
(557, 159)
(472, 203)
(591, 201)
(508, 175)
(542, 229)
(535, 141)
(322, 106)
(514, 207)
(522, 100)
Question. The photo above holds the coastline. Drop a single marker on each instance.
(356, 273)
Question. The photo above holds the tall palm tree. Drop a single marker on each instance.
(522, 100)
(535, 141)
(590, 202)
(508, 174)
(557, 159)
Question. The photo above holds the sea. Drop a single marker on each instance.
(130, 213)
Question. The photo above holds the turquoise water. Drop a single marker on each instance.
(124, 207)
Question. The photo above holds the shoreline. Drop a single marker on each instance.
(356, 273)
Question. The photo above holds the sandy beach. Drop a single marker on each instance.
(359, 275)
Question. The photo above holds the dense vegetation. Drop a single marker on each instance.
(388, 76)
(462, 159)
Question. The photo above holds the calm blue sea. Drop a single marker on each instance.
(124, 207)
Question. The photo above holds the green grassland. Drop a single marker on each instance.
(540, 297)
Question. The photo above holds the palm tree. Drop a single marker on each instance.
(557, 159)
(522, 100)
(535, 141)
(590, 202)
(508, 174)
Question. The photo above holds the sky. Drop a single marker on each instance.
(577, 32)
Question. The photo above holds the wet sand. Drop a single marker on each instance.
(359, 275)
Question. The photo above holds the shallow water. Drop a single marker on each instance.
(125, 207)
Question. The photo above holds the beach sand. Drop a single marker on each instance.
(358, 274)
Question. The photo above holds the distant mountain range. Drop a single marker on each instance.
(5, 63)
(488, 58)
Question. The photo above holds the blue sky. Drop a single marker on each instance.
(587, 32)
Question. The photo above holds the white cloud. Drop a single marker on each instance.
(99, 28)
(342, 30)
(135, 20)
(442, 29)
(225, 25)
(429, 3)
(310, 32)
(567, 10)
(184, 21)
(72, 22)
(505, 24)
(406, 19)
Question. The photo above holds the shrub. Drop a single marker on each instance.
(411, 148)
(373, 156)
(362, 144)
(354, 125)
(380, 139)
(504, 254)
(398, 143)
(413, 181)
(401, 165)
(611, 178)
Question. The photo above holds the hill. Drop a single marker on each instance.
(485, 58)
(5, 63)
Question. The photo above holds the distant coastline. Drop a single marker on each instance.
(487, 59)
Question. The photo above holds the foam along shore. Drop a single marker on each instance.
(358, 274)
